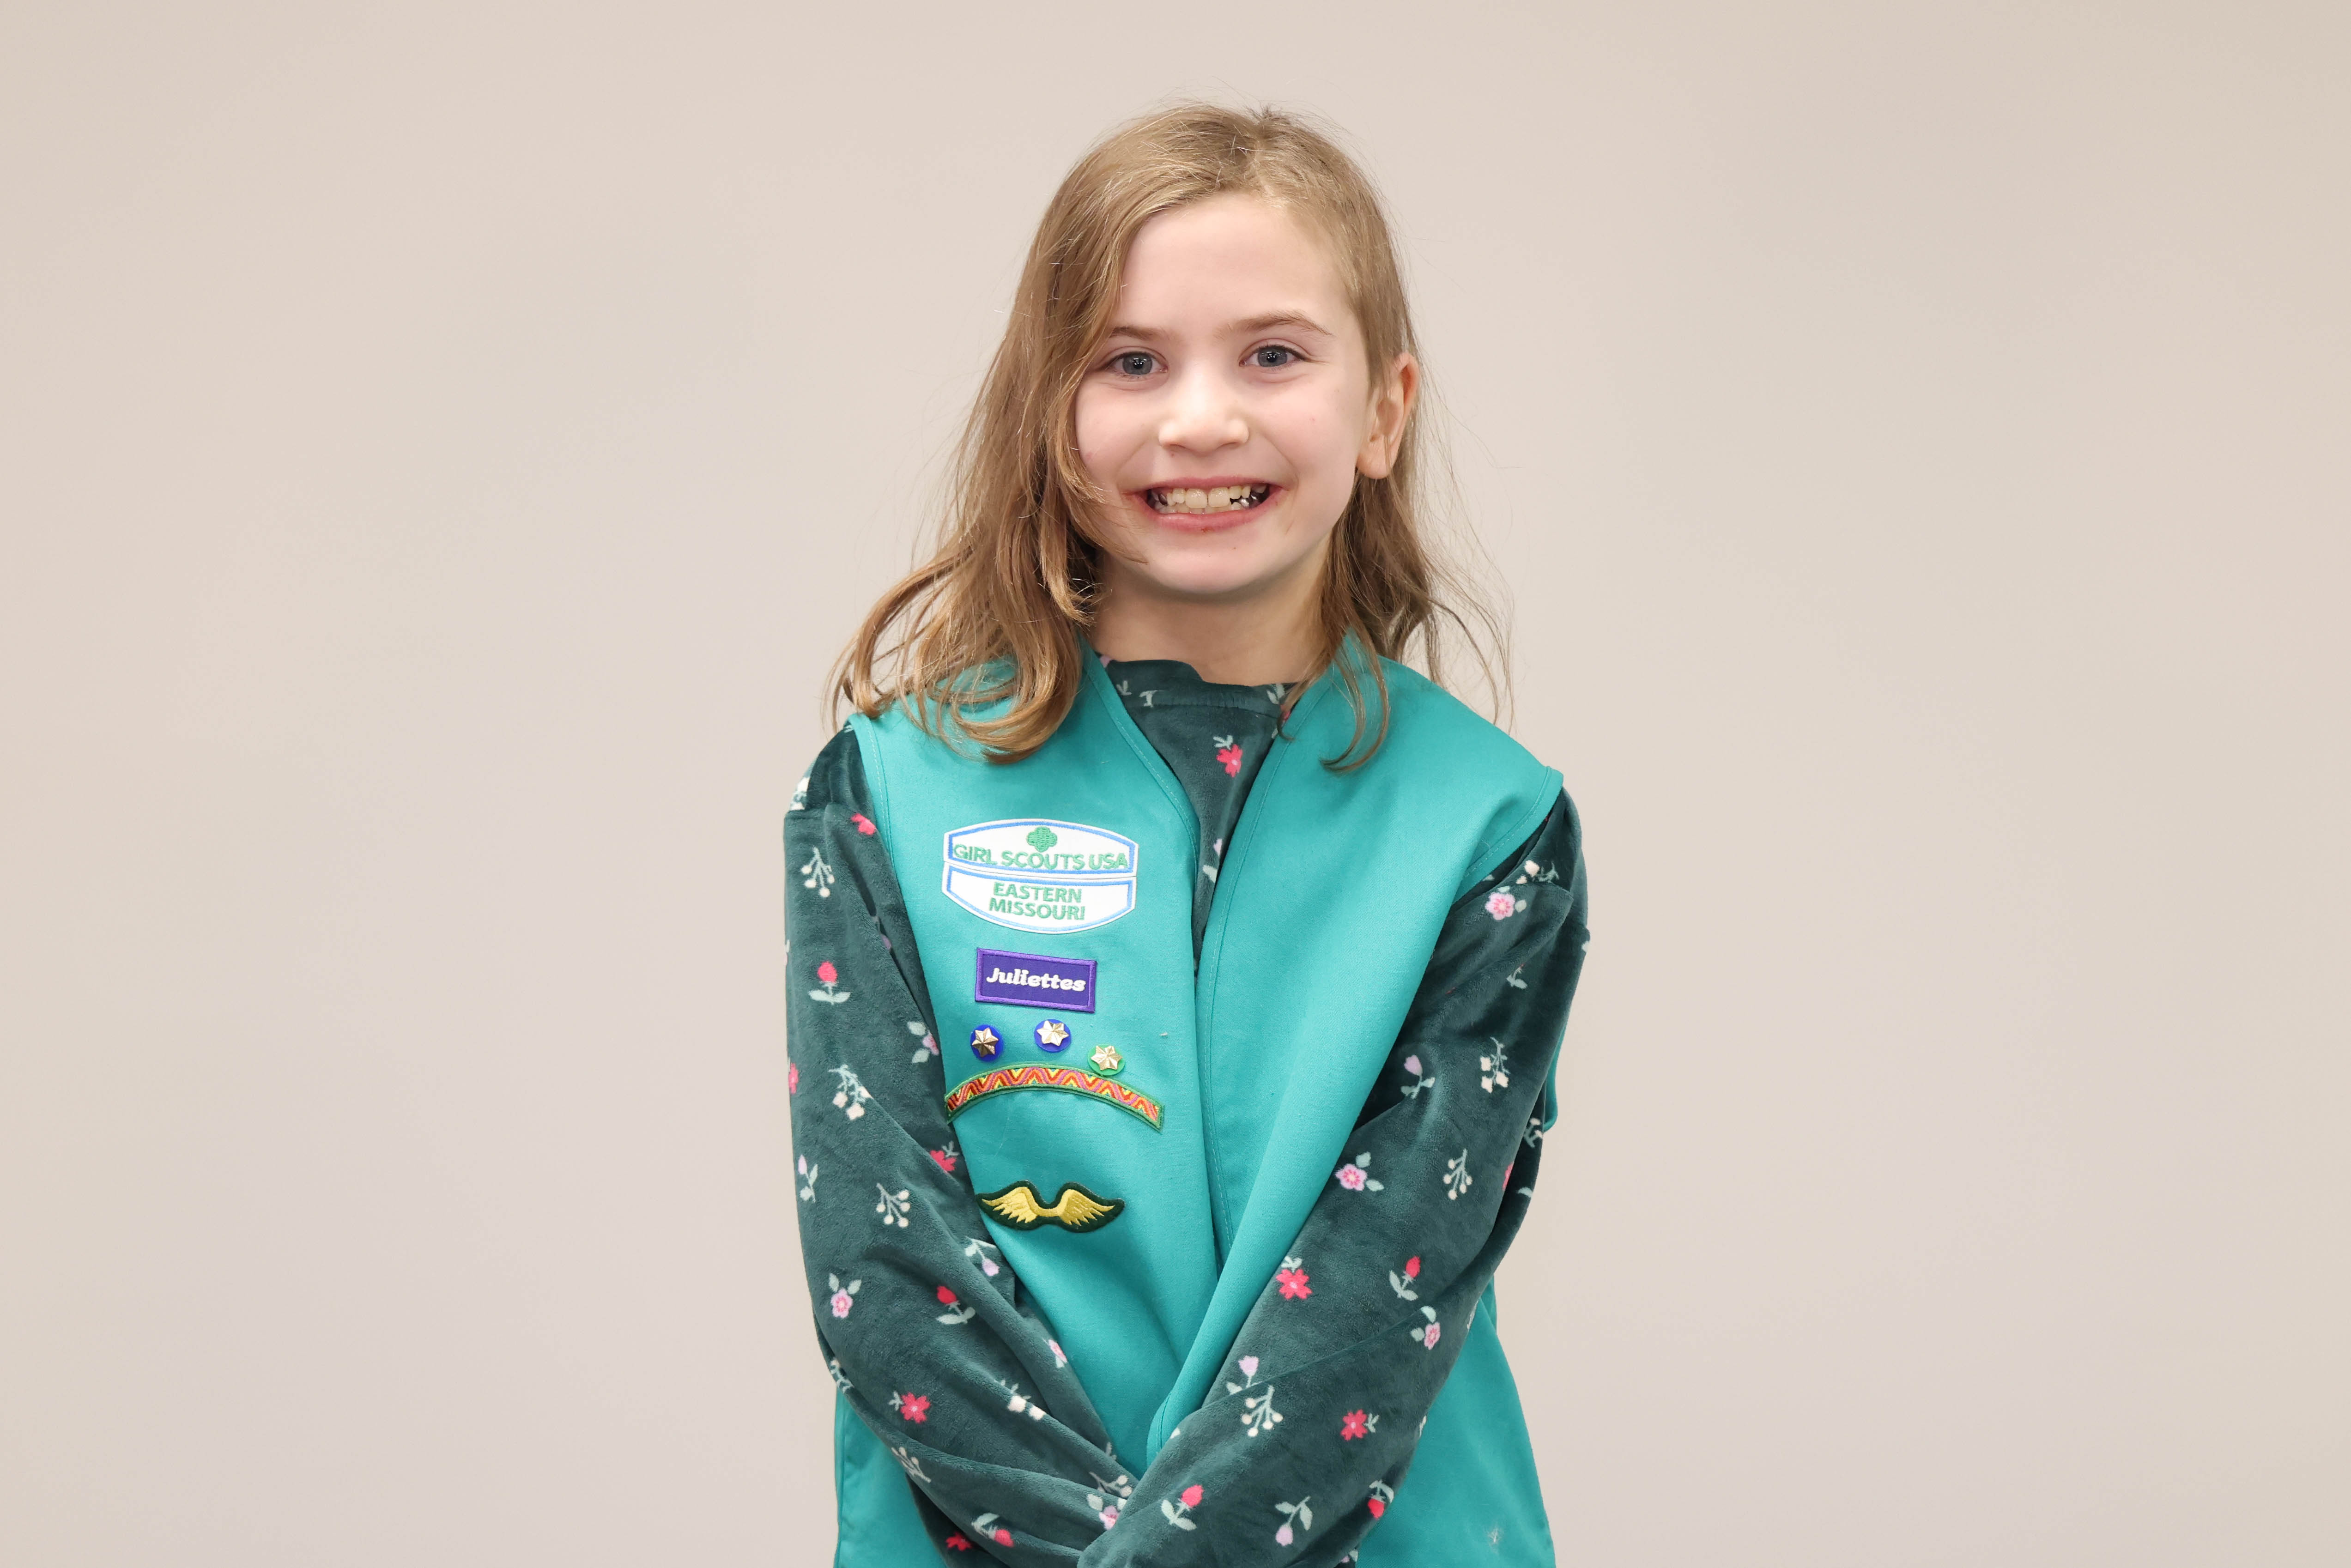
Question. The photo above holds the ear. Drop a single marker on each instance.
(1392, 403)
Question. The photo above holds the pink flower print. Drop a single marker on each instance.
(1412, 1065)
(914, 1407)
(1501, 905)
(826, 991)
(1381, 1495)
(791, 1078)
(1429, 1335)
(945, 1159)
(956, 1542)
(1356, 1175)
(946, 1296)
(1229, 753)
(1412, 1268)
(1173, 1512)
(1293, 1281)
(1430, 1339)
(864, 825)
(1355, 1425)
(1352, 1177)
(843, 1296)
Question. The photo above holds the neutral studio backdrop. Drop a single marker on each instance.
(440, 446)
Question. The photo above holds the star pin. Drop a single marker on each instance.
(986, 1043)
(1107, 1061)
(1051, 1035)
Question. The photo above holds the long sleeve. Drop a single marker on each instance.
(1349, 1344)
(928, 1334)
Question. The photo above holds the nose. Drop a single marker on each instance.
(1203, 413)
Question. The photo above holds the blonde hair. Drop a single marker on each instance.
(994, 613)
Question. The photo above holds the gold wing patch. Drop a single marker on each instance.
(1076, 1209)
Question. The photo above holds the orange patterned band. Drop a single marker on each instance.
(1069, 1080)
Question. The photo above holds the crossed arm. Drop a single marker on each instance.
(940, 1353)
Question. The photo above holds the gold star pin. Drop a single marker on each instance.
(1107, 1061)
(984, 1041)
(1051, 1035)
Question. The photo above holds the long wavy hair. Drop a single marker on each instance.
(995, 614)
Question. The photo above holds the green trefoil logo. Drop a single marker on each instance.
(1041, 838)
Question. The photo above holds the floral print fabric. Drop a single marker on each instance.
(1299, 1449)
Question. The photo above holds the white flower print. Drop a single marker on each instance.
(851, 1096)
(929, 1048)
(817, 874)
(1512, 978)
(893, 1208)
(1426, 1335)
(1420, 1081)
(843, 1296)
(1494, 1071)
(1458, 1179)
(808, 1179)
(799, 795)
(907, 1462)
(1258, 1414)
(1298, 1514)
(1019, 1402)
(1534, 1132)
(1357, 1176)
(1533, 872)
(832, 1365)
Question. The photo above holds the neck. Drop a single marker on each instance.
(1270, 637)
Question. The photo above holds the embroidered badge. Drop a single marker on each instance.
(1075, 1209)
(1053, 1035)
(1040, 1076)
(1107, 1061)
(1035, 874)
(986, 1043)
(1033, 980)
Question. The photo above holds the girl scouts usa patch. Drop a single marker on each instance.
(1032, 873)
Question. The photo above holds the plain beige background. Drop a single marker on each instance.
(439, 447)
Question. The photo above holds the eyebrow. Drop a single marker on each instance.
(1253, 324)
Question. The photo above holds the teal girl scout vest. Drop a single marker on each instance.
(1215, 1105)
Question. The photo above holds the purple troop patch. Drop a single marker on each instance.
(1029, 980)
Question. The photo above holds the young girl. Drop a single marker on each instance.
(1174, 978)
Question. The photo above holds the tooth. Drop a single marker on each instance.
(1219, 497)
(1193, 500)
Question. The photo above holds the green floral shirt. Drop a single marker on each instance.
(960, 1395)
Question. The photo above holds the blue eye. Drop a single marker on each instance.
(1133, 364)
(1272, 357)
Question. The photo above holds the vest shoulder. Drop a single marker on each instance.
(1427, 718)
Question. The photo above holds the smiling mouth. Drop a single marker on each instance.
(1182, 502)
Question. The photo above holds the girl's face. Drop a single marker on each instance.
(1231, 408)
